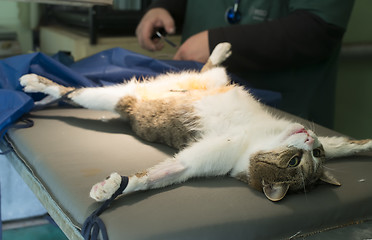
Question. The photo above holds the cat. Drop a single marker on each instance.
(218, 128)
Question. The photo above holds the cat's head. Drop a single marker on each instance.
(294, 162)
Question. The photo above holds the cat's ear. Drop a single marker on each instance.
(276, 191)
(329, 178)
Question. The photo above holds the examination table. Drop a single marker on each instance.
(70, 149)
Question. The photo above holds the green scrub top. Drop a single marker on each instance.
(307, 91)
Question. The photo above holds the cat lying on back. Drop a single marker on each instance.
(219, 128)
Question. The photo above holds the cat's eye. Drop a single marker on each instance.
(317, 152)
(295, 160)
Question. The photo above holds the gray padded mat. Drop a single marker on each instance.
(71, 149)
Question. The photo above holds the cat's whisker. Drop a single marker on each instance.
(311, 126)
(333, 169)
(303, 181)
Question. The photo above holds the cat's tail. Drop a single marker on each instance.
(343, 147)
(220, 53)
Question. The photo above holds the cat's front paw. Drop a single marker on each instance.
(31, 83)
(105, 189)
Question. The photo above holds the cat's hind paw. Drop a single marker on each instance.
(31, 83)
(34, 83)
(105, 189)
(220, 53)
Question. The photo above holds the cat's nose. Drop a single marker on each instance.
(309, 140)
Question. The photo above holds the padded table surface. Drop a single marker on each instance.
(68, 150)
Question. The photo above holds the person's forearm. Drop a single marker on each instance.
(298, 39)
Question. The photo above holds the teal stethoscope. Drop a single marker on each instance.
(233, 14)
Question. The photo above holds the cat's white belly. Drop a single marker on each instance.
(223, 112)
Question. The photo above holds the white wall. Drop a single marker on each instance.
(21, 18)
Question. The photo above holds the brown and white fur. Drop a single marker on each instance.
(219, 128)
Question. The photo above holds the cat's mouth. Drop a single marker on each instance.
(302, 130)
(309, 140)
